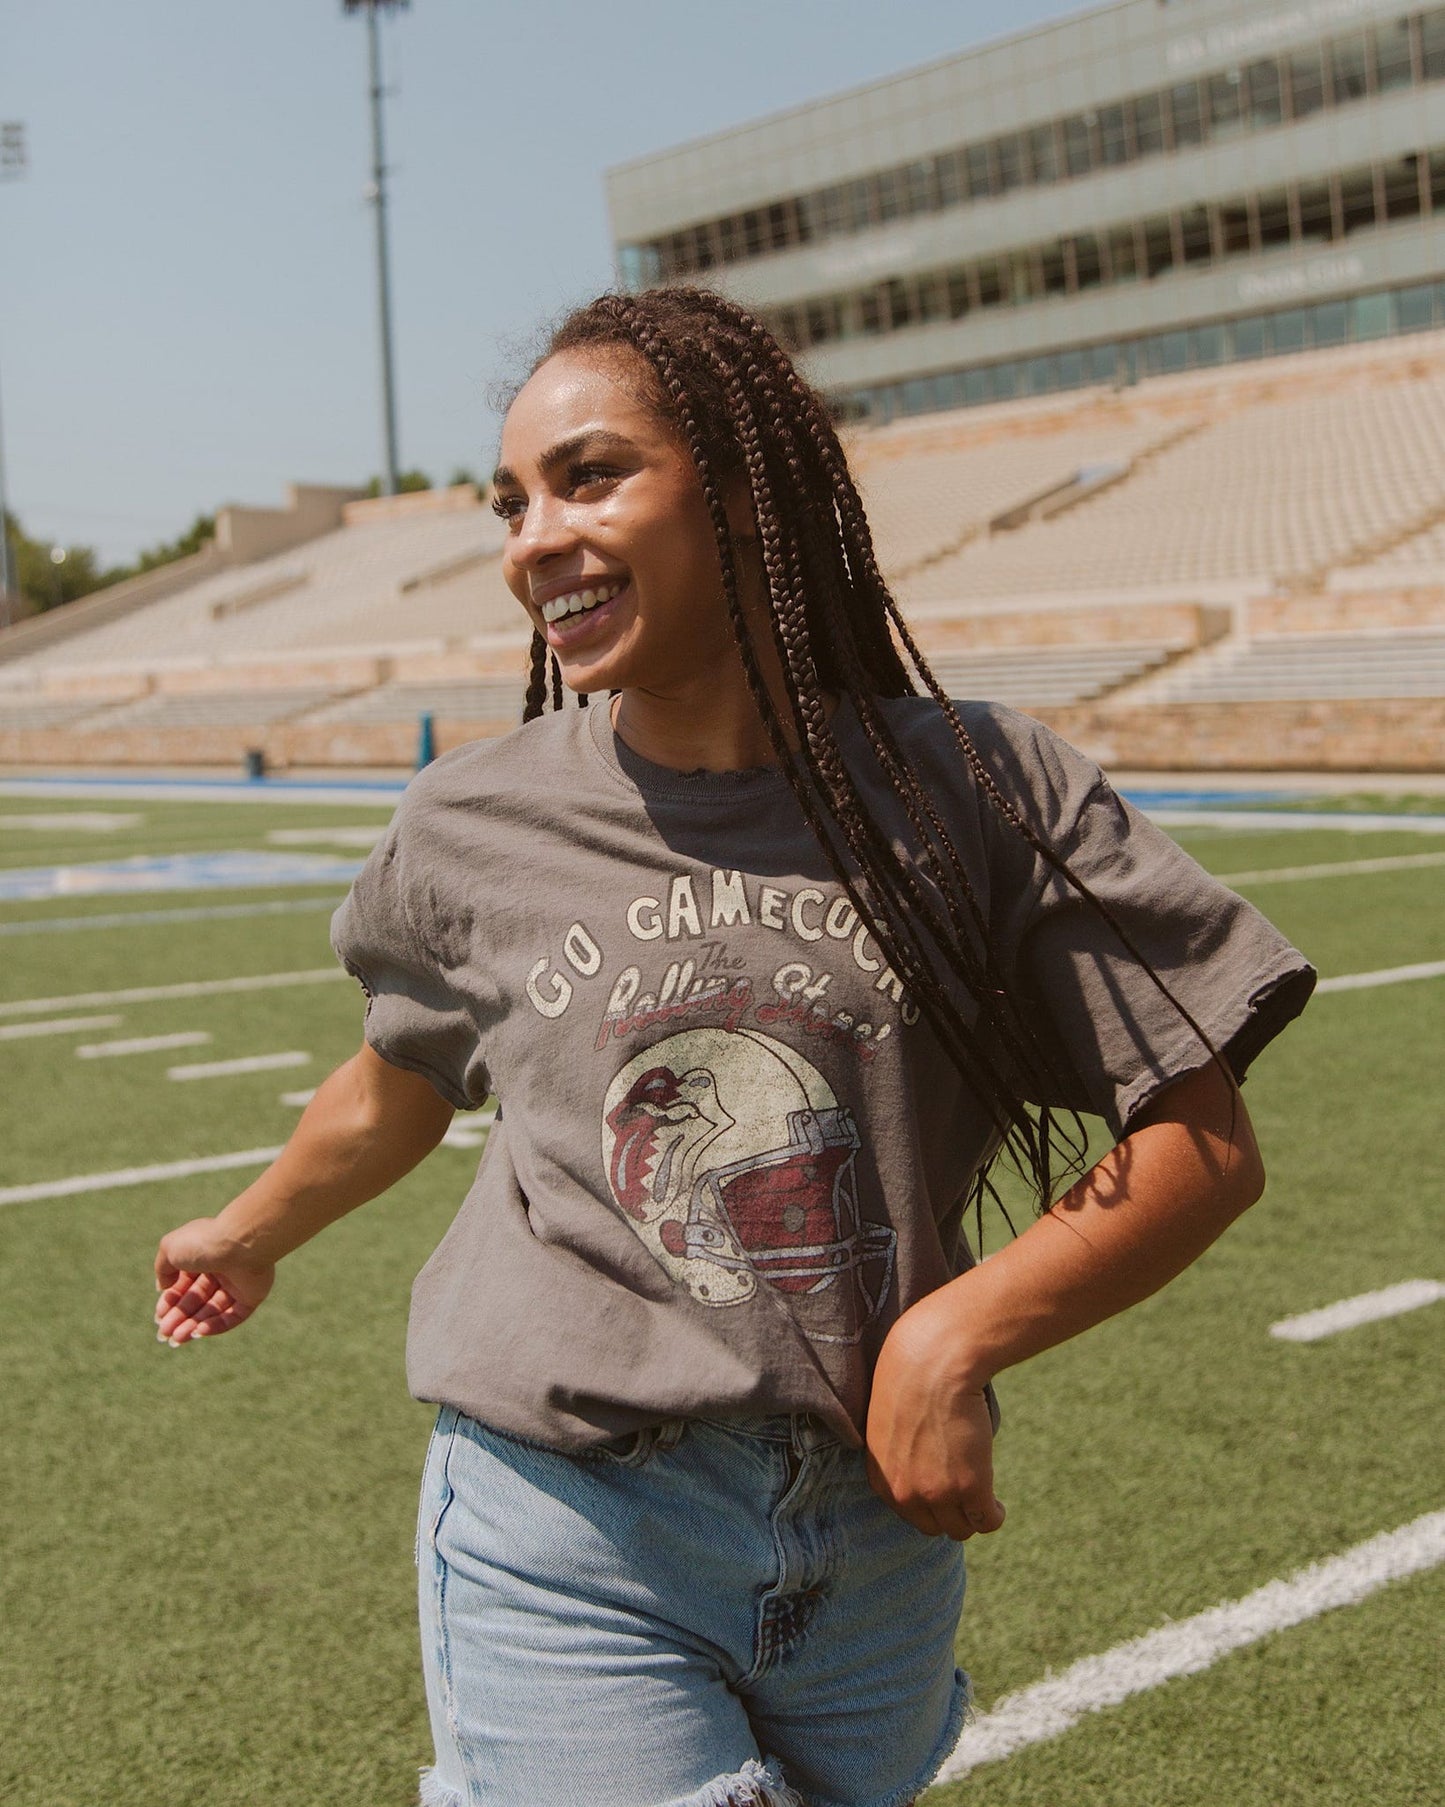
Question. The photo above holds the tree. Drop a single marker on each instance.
(407, 483)
(44, 581)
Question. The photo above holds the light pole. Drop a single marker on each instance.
(376, 194)
(12, 164)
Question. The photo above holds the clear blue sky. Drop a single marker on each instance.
(187, 309)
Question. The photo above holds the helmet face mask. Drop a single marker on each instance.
(734, 1161)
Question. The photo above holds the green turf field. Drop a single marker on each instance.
(206, 1588)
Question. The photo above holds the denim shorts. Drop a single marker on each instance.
(704, 1614)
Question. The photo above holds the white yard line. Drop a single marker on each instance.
(142, 1044)
(299, 1100)
(248, 1063)
(63, 1025)
(199, 790)
(125, 919)
(325, 837)
(136, 1176)
(1387, 975)
(1364, 1308)
(1188, 1646)
(193, 988)
(1174, 817)
(1395, 862)
(87, 821)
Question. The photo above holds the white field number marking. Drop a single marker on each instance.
(136, 1176)
(191, 988)
(248, 1063)
(63, 1025)
(92, 821)
(142, 1044)
(1395, 862)
(1188, 1646)
(1364, 1308)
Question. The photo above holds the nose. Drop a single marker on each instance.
(544, 532)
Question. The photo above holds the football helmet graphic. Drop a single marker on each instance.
(732, 1159)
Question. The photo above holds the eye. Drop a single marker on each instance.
(591, 474)
(509, 508)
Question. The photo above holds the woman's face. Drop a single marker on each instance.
(609, 545)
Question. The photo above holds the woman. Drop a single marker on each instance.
(767, 959)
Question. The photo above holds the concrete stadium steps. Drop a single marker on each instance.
(460, 699)
(22, 709)
(1043, 676)
(1400, 662)
(1281, 489)
(929, 489)
(207, 709)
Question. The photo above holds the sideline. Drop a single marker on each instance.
(1188, 1646)
(192, 988)
(1363, 1308)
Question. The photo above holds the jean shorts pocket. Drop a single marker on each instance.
(637, 1448)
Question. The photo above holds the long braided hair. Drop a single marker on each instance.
(732, 395)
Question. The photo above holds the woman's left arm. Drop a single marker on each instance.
(1186, 1170)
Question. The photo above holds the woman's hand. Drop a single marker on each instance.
(208, 1283)
(930, 1438)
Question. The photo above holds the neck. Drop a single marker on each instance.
(710, 724)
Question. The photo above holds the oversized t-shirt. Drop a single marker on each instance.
(729, 1151)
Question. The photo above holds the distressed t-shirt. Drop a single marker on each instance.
(729, 1151)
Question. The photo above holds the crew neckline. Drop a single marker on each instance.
(644, 775)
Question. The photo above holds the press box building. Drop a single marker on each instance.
(1148, 186)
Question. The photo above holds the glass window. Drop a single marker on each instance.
(1392, 57)
(1009, 157)
(1207, 346)
(957, 289)
(899, 310)
(1273, 211)
(1078, 145)
(819, 320)
(1113, 139)
(980, 171)
(870, 311)
(1266, 94)
(1072, 374)
(1292, 330)
(827, 212)
(1227, 95)
(888, 194)
(753, 233)
(1402, 188)
(1331, 322)
(1252, 338)
(1087, 261)
(1044, 154)
(1158, 245)
(1173, 351)
(1103, 363)
(916, 396)
(1055, 276)
(857, 204)
(1437, 180)
(1432, 44)
(780, 226)
(991, 283)
(1194, 223)
(920, 188)
(1357, 199)
(1414, 308)
(1006, 381)
(1149, 124)
(1041, 375)
(1306, 83)
(1187, 114)
(1349, 67)
(1024, 280)
(787, 325)
(932, 298)
(977, 387)
(1234, 228)
(1316, 211)
(1372, 316)
(1124, 253)
(952, 179)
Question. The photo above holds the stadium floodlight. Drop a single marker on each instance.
(376, 194)
(12, 164)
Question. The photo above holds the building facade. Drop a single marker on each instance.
(1153, 185)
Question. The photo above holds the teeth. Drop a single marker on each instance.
(578, 601)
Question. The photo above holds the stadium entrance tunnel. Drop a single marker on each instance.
(755, 1785)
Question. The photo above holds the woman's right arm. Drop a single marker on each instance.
(368, 1125)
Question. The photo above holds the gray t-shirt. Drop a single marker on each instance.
(729, 1152)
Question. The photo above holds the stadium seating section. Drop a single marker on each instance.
(1236, 567)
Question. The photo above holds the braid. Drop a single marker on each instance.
(536, 680)
(744, 413)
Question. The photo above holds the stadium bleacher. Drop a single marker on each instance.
(1290, 514)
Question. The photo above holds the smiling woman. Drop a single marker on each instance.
(768, 961)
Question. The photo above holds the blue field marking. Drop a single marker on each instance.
(238, 871)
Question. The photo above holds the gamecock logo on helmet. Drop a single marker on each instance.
(733, 1160)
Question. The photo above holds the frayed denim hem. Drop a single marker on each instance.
(755, 1785)
(959, 1713)
(436, 1793)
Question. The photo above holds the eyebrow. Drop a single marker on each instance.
(595, 438)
